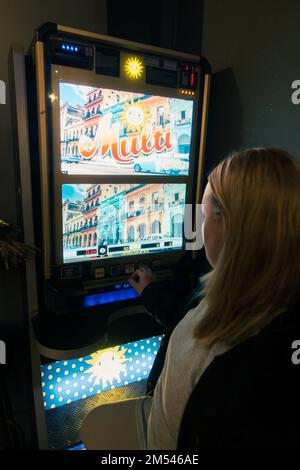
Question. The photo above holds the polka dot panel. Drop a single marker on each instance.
(64, 382)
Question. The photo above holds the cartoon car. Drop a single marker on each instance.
(70, 159)
(162, 164)
(174, 165)
(146, 165)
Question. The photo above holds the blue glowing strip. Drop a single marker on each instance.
(109, 297)
(77, 447)
(64, 382)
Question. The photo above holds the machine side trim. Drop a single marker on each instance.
(17, 61)
(203, 137)
(42, 133)
(45, 30)
(204, 119)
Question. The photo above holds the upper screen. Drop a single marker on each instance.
(109, 132)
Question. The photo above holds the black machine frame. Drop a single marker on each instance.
(50, 335)
(45, 151)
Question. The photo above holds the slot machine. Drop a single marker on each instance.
(116, 138)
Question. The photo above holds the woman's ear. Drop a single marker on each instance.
(217, 213)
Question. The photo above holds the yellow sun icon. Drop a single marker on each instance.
(135, 116)
(106, 365)
(134, 67)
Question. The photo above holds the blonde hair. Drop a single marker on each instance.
(258, 270)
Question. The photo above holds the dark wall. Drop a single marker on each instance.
(18, 20)
(253, 48)
(173, 24)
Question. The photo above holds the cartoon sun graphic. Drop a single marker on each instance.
(135, 116)
(134, 67)
(106, 365)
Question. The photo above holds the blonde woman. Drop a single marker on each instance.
(228, 380)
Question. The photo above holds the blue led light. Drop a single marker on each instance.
(109, 297)
(70, 48)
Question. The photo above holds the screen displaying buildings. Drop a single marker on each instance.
(114, 220)
(110, 132)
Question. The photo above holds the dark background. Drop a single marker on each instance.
(252, 46)
(18, 21)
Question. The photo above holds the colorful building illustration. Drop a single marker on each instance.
(145, 212)
(114, 214)
(181, 113)
(89, 116)
(73, 221)
(81, 219)
(70, 121)
(111, 220)
(174, 198)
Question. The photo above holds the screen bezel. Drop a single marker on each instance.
(90, 78)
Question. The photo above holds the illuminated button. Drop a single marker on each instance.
(99, 273)
(115, 270)
(128, 268)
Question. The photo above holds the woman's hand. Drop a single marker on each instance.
(141, 278)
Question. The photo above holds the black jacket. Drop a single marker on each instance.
(249, 397)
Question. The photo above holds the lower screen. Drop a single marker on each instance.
(114, 220)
